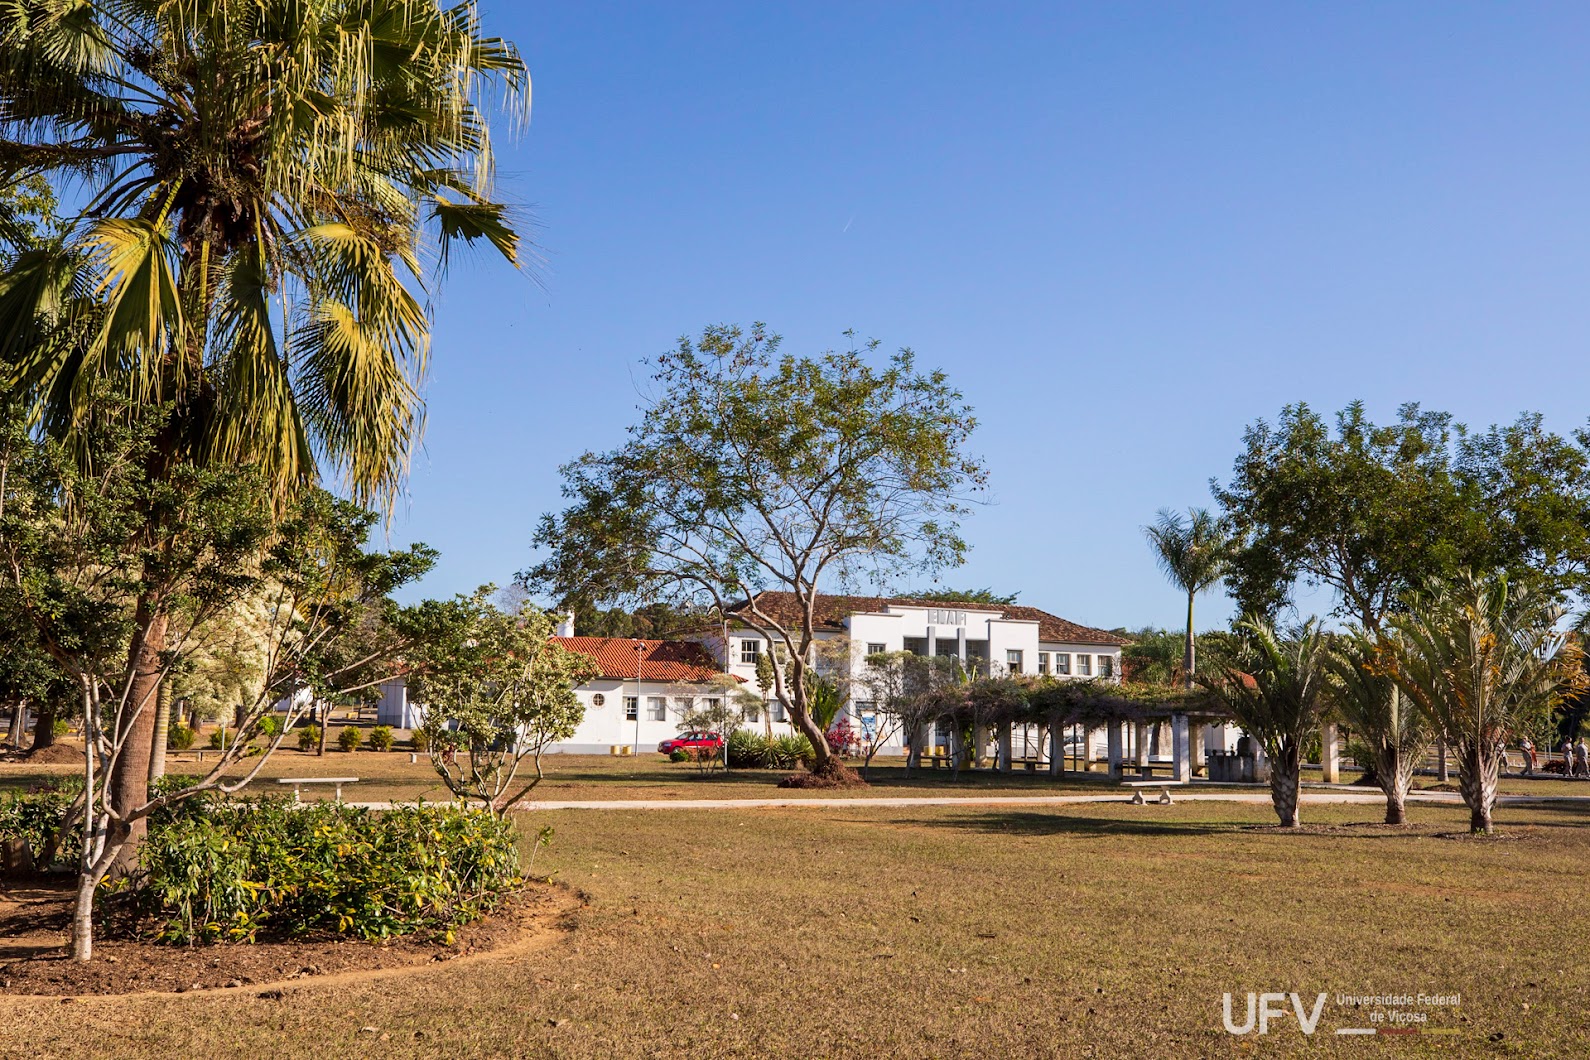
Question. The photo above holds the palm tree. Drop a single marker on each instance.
(268, 191)
(1368, 700)
(1277, 692)
(1193, 552)
(1482, 658)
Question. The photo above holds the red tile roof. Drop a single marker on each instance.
(833, 610)
(662, 660)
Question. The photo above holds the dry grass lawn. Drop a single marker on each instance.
(1101, 930)
(390, 777)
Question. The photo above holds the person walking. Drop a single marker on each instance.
(1581, 759)
(1527, 746)
(1567, 758)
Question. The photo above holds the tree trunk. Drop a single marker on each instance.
(1189, 657)
(157, 747)
(323, 710)
(44, 726)
(1285, 771)
(1477, 779)
(19, 718)
(129, 783)
(1393, 773)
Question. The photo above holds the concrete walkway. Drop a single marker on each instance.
(1308, 798)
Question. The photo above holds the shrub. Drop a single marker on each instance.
(419, 741)
(679, 754)
(35, 817)
(264, 868)
(748, 750)
(349, 738)
(215, 739)
(61, 727)
(269, 727)
(381, 738)
(179, 737)
(787, 752)
(309, 737)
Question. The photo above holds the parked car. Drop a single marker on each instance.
(691, 741)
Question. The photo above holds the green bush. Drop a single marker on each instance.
(179, 737)
(678, 754)
(35, 817)
(61, 727)
(748, 750)
(349, 738)
(263, 868)
(309, 737)
(419, 741)
(215, 739)
(787, 752)
(381, 738)
(269, 727)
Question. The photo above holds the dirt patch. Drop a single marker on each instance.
(33, 934)
(57, 754)
(842, 777)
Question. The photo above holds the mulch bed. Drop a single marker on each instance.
(34, 929)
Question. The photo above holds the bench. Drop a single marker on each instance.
(299, 782)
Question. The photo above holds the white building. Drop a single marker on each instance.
(644, 689)
(989, 639)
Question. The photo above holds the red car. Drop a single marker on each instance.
(690, 741)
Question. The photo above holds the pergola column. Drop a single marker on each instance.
(952, 744)
(1057, 748)
(980, 744)
(1141, 732)
(1180, 748)
(1195, 746)
(1087, 749)
(1113, 733)
(1330, 754)
(1004, 747)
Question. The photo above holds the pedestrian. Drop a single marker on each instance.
(1567, 758)
(1527, 746)
(1581, 759)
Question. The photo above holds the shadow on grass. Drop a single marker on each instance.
(1027, 823)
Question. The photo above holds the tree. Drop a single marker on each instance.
(1153, 656)
(1193, 552)
(901, 685)
(750, 470)
(497, 689)
(1371, 512)
(1396, 731)
(1481, 656)
(1276, 689)
(273, 187)
(63, 534)
(962, 596)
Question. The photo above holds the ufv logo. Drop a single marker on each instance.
(1262, 1008)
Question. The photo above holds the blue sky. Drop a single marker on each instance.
(1125, 231)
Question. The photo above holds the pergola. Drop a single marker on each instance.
(1002, 707)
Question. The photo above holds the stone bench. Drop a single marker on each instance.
(299, 782)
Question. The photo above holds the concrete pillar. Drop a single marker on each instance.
(1057, 748)
(1087, 748)
(1113, 731)
(1004, 747)
(1141, 733)
(1330, 755)
(1180, 748)
(1195, 748)
(980, 745)
(960, 645)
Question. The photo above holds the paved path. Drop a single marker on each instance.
(855, 802)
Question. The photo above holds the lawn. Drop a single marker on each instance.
(390, 776)
(1103, 930)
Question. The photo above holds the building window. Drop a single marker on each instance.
(657, 708)
(1043, 662)
(753, 712)
(714, 703)
(631, 708)
(778, 711)
(1062, 663)
(874, 648)
(1084, 666)
(1013, 661)
(1106, 666)
(750, 651)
